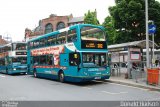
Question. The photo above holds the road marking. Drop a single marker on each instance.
(87, 88)
(114, 93)
(2, 76)
(129, 86)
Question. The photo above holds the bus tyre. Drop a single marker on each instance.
(35, 73)
(61, 77)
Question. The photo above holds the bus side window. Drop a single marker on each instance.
(72, 35)
(36, 44)
(61, 38)
(42, 42)
(42, 60)
(2, 62)
(35, 60)
(31, 45)
(51, 40)
(50, 60)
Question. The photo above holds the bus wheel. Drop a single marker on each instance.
(61, 76)
(35, 73)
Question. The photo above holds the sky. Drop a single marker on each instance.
(16, 15)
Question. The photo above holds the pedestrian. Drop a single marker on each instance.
(134, 65)
(157, 62)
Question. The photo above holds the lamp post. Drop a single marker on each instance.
(147, 38)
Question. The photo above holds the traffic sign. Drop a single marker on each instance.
(152, 29)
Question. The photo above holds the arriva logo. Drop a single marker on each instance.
(93, 69)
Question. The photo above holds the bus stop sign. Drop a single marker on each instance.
(152, 29)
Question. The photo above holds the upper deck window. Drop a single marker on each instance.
(61, 38)
(72, 35)
(92, 33)
(51, 40)
(19, 46)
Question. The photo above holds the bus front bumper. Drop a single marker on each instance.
(85, 79)
(17, 71)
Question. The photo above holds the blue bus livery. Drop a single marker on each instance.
(13, 58)
(77, 53)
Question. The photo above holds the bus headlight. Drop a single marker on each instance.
(14, 68)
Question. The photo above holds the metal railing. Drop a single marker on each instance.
(138, 73)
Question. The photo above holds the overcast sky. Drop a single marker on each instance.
(16, 15)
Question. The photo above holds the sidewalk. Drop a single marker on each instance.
(141, 83)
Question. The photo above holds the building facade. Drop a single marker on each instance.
(52, 23)
(2, 41)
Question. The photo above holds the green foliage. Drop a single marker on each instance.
(108, 24)
(128, 20)
(91, 18)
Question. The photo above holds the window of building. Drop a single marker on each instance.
(60, 25)
(48, 28)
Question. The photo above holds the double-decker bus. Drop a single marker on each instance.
(77, 53)
(13, 58)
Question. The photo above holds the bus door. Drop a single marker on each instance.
(71, 61)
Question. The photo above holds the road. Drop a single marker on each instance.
(28, 88)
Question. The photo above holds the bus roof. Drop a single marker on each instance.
(64, 29)
(11, 43)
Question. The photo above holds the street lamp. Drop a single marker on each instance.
(147, 38)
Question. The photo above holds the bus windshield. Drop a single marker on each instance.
(94, 60)
(19, 60)
(91, 33)
(19, 46)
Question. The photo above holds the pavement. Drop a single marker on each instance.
(141, 83)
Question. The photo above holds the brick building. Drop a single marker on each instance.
(52, 23)
(2, 41)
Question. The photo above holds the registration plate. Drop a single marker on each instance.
(97, 78)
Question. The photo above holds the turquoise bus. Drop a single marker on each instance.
(77, 53)
(13, 58)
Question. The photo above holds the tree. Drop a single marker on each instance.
(91, 18)
(108, 24)
(129, 19)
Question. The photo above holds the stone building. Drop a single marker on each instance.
(52, 23)
(2, 41)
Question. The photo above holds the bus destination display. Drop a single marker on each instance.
(93, 44)
(21, 53)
